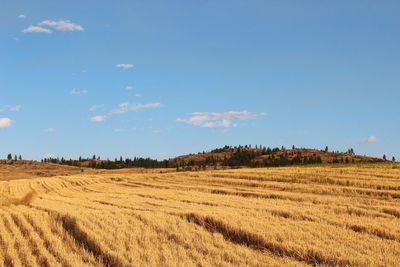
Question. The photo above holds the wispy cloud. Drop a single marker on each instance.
(62, 25)
(22, 16)
(98, 118)
(126, 106)
(5, 123)
(219, 120)
(130, 88)
(14, 108)
(78, 92)
(124, 66)
(46, 26)
(370, 139)
(36, 29)
(50, 130)
(11, 108)
(94, 108)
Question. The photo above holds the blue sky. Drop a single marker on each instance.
(163, 78)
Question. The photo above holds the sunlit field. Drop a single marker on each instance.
(294, 216)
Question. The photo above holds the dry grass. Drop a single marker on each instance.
(12, 170)
(299, 216)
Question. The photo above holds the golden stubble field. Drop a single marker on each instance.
(295, 216)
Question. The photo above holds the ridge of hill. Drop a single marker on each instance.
(26, 169)
(265, 157)
(227, 157)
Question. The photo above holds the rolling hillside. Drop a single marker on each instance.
(265, 157)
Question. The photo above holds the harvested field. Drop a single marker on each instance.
(295, 216)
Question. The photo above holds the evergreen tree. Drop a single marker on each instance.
(326, 149)
(384, 157)
(393, 159)
(9, 157)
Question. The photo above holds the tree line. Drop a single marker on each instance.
(233, 157)
(97, 163)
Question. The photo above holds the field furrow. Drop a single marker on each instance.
(311, 216)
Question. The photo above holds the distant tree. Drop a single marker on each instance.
(15, 158)
(393, 159)
(384, 157)
(9, 157)
(80, 159)
(326, 149)
(20, 157)
(293, 147)
(94, 157)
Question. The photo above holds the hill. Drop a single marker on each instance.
(266, 157)
(226, 157)
(24, 169)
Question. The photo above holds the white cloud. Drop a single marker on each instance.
(78, 92)
(124, 66)
(22, 16)
(36, 29)
(370, 139)
(5, 123)
(129, 88)
(98, 118)
(219, 120)
(61, 25)
(123, 108)
(126, 106)
(138, 107)
(50, 130)
(46, 26)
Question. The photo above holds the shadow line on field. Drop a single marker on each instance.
(257, 242)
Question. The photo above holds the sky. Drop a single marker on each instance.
(165, 78)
